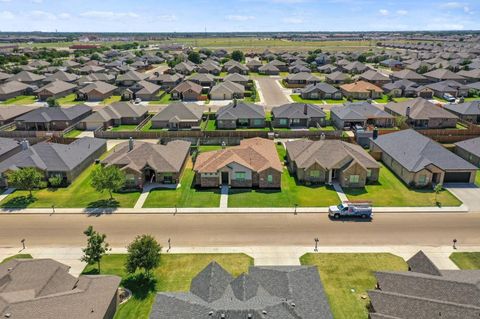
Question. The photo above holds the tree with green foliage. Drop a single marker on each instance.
(110, 179)
(52, 102)
(194, 57)
(26, 179)
(96, 247)
(55, 181)
(238, 55)
(143, 254)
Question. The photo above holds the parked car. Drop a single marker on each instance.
(351, 209)
(449, 97)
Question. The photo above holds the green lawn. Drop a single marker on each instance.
(402, 99)
(211, 125)
(18, 256)
(297, 98)
(290, 194)
(469, 99)
(477, 179)
(21, 100)
(208, 148)
(329, 101)
(391, 191)
(383, 99)
(73, 133)
(175, 273)
(165, 99)
(148, 128)
(466, 261)
(347, 277)
(79, 194)
(186, 196)
(112, 99)
(68, 100)
(123, 128)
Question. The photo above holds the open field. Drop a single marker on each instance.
(466, 261)
(174, 273)
(347, 278)
(391, 191)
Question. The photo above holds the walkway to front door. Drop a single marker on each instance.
(224, 196)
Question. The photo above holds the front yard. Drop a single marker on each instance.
(165, 99)
(79, 194)
(21, 100)
(347, 277)
(392, 192)
(477, 179)
(290, 195)
(111, 100)
(466, 261)
(175, 273)
(297, 98)
(186, 196)
(68, 100)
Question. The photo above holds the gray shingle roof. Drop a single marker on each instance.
(467, 108)
(323, 87)
(360, 111)
(241, 110)
(117, 111)
(184, 112)
(298, 111)
(415, 151)
(472, 146)
(44, 114)
(265, 293)
(420, 109)
(53, 156)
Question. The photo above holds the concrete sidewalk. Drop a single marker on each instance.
(263, 255)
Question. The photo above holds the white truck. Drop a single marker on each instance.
(351, 209)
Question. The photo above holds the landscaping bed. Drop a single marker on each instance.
(347, 278)
(174, 273)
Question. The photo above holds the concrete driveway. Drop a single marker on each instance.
(469, 194)
(271, 91)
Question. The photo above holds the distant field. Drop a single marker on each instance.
(248, 44)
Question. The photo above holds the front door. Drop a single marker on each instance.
(224, 178)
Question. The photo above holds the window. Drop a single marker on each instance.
(354, 179)
(257, 122)
(270, 178)
(283, 121)
(296, 121)
(369, 173)
(315, 174)
(240, 176)
(422, 179)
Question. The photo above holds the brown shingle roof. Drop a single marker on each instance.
(360, 86)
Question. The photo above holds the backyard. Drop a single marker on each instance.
(174, 273)
(466, 261)
(347, 278)
(79, 194)
(391, 191)
(124, 128)
(185, 196)
(21, 100)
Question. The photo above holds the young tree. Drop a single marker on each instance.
(194, 57)
(109, 179)
(55, 181)
(237, 55)
(143, 253)
(51, 102)
(438, 188)
(96, 247)
(26, 179)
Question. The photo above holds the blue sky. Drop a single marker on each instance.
(238, 15)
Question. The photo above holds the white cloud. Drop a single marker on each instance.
(402, 12)
(384, 12)
(64, 15)
(42, 15)
(452, 5)
(293, 20)
(239, 18)
(108, 15)
(6, 15)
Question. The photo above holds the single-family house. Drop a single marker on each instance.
(300, 80)
(337, 77)
(240, 114)
(268, 69)
(52, 118)
(298, 115)
(468, 111)
(178, 116)
(13, 89)
(144, 90)
(421, 113)
(253, 163)
(55, 90)
(401, 88)
(237, 78)
(144, 162)
(227, 91)
(130, 78)
(451, 87)
(120, 113)
(8, 113)
(439, 75)
(361, 90)
(419, 161)
(361, 113)
(66, 161)
(96, 91)
(253, 65)
(202, 79)
(409, 75)
(374, 77)
(355, 67)
(321, 91)
(28, 78)
(187, 91)
(166, 81)
(469, 150)
(327, 161)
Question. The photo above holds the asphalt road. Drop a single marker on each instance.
(243, 230)
(272, 93)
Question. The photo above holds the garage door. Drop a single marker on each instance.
(457, 177)
(91, 126)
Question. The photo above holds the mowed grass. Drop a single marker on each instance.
(174, 274)
(112, 99)
(73, 133)
(68, 100)
(390, 191)
(347, 278)
(185, 196)
(21, 100)
(165, 99)
(291, 193)
(18, 256)
(477, 179)
(124, 128)
(79, 194)
(466, 261)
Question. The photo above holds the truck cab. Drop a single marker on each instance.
(351, 209)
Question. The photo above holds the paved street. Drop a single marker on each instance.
(243, 230)
(271, 91)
